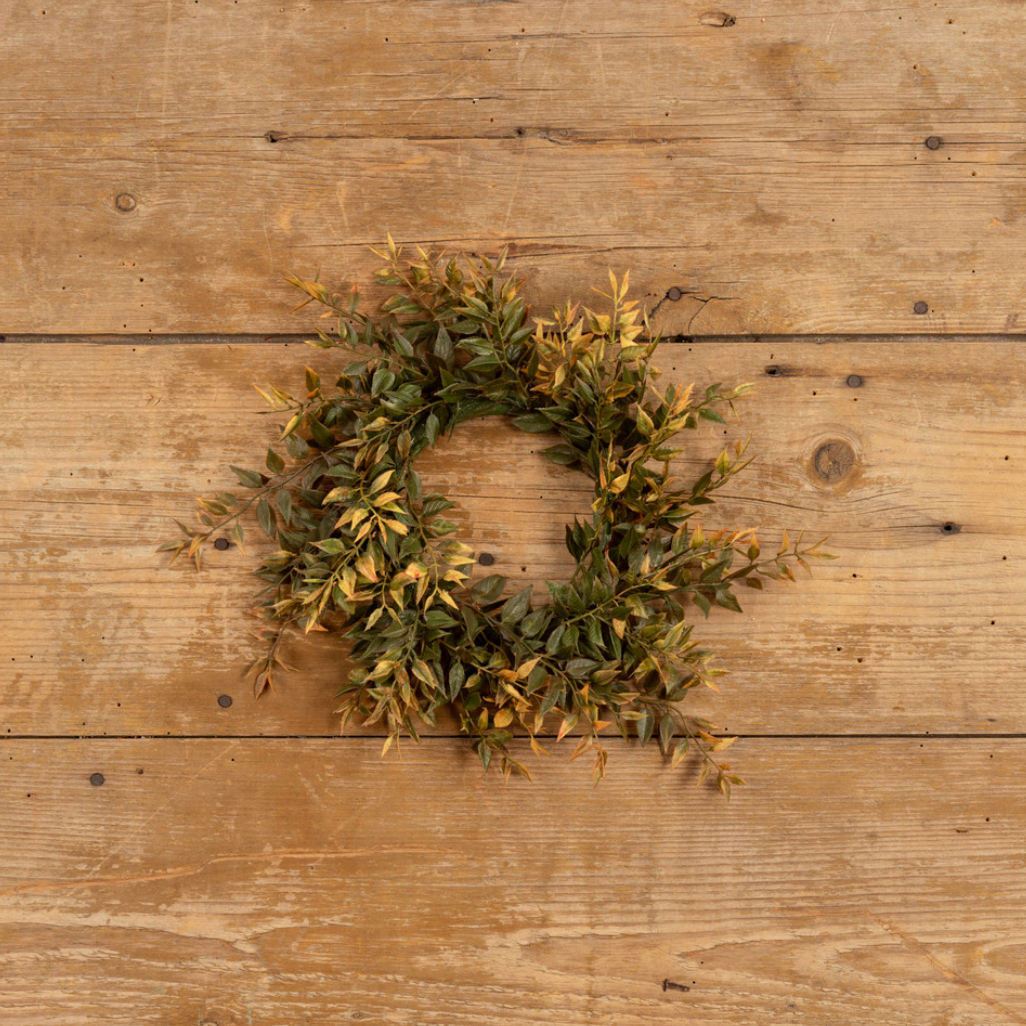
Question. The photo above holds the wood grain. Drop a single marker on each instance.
(165, 164)
(913, 629)
(278, 882)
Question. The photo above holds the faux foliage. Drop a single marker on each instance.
(364, 549)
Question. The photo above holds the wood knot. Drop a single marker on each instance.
(833, 460)
(717, 19)
(124, 201)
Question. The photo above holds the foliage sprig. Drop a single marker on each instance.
(365, 551)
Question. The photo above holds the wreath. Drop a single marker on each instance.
(365, 552)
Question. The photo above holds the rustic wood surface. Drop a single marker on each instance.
(295, 879)
(165, 164)
(285, 882)
(912, 629)
(849, 174)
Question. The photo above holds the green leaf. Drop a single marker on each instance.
(554, 639)
(438, 618)
(562, 455)
(513, 611)
(249, 478)
(535, 423)
(431, 427)
(707, 414)
(443, 347)
(666, 731)
(487, 590)
(275, 464)
(298, 449)
(382, 381)
(266, 520)
(646, 723)
(581, 667)
(321, 435)
(535, 622)
(703, 603)
(283, 500)
(457, 675)
(331, 546)
(487, 362)
(435, 504)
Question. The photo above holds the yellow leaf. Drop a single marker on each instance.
(524, 670)
(568, 724)
(582, 746)
(292, 425)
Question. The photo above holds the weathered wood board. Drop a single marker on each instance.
(847, 173)
(913, 629)
(275, 882)
(820, 166)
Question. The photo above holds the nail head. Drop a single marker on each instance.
(674, 294)
(933, 142)
(486, 559)
(854, 381)
(921, 307)
(221, 543)
(224, 701)
(97, 780)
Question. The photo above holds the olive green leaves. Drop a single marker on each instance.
(360, 549)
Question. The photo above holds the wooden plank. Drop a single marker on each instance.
(182, 158)
(913, 629)
(280, 881)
